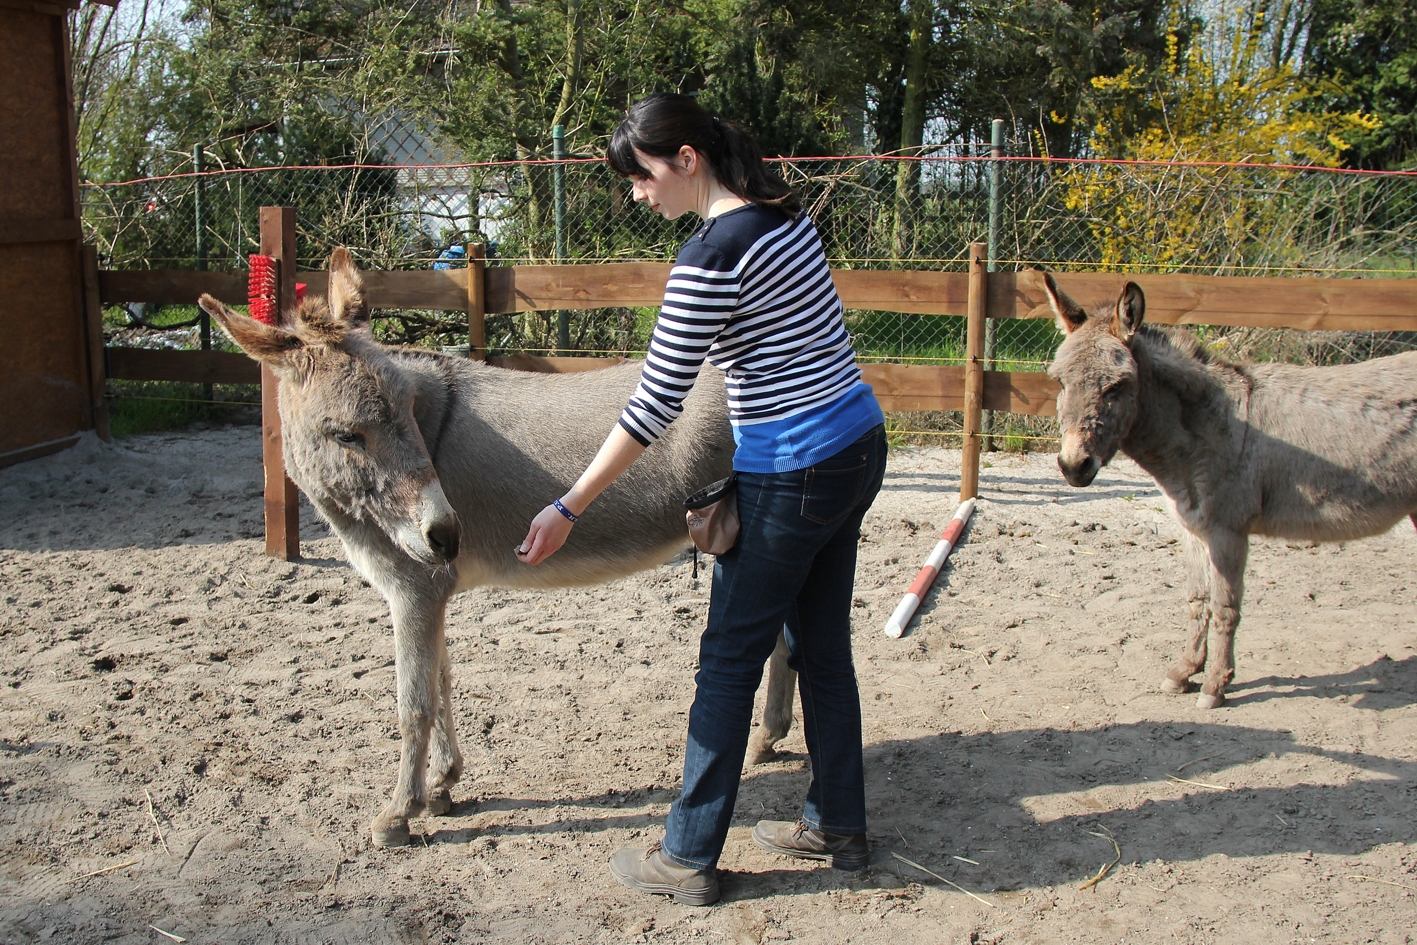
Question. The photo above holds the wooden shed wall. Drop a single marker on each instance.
(45, 371)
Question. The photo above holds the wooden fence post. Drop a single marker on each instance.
(282, 498)
(477, 300)
(977, 310)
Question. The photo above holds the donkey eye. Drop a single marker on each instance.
(347, 438)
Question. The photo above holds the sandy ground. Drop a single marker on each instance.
(160, 674)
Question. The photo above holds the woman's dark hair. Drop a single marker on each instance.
(662, 123)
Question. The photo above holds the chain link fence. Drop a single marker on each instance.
(872, 212)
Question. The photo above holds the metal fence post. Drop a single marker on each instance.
(977, 312)
(996, 215)
(558, 153)
(199, 221)
(199, 213)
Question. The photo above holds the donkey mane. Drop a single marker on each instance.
(313, 323)
(1181, 361)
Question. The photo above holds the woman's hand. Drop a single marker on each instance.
(548, 532)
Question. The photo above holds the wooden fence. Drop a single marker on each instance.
(479, 290)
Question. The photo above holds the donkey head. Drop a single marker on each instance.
(1098, 373)
(347, 415)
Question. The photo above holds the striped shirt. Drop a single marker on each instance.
(750, 292)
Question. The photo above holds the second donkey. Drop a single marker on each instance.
(1316, 453)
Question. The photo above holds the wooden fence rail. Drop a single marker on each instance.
(1329, 304)
(1313, 304)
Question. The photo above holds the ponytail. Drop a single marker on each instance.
(661, 124)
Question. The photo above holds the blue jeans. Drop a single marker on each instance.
(793, 569)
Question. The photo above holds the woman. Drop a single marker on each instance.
(751, 292)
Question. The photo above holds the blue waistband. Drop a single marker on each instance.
(808, 437)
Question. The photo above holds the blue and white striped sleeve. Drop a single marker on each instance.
(699, 299)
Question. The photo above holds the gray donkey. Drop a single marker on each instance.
(429, 468)
(1323, 454)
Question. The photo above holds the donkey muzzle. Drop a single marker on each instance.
(437, 522)
(442, 536)
(1080, 470)
(430, 533)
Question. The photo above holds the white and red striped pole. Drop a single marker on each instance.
(906, 609)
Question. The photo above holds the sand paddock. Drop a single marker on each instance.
(160, 674)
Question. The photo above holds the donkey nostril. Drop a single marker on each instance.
(1076, 469)
(443, 539)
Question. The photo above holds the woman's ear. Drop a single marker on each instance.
(688, 159)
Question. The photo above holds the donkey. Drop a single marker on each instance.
(429, 469)
(1310, 453)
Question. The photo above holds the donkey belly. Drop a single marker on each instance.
(1322, 501)
(1336, 448)
(1335, 519)
(566, 568)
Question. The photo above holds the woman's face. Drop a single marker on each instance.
(672, 187)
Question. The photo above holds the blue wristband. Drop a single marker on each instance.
(570, 516)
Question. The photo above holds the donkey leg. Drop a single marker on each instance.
(777, 714)
(1178, 677)
(444, 759)
(417, 635)
(1228, 551)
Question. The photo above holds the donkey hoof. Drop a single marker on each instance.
(761, 756)
(440, 801)
(1172, 686)
(392, 834)
(763, 749)
(1207, 701)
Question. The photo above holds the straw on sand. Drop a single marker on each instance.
(1385, 882)
(1106, 867)
(1214, 787)
(105, 869)
(152, 815)
(942, 879)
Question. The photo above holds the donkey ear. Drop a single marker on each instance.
(1068, 314)
(346, 292)
(268, 343)
(1131, 307)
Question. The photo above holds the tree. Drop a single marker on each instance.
(1217, 102)
(1364, 54)
(120, 82)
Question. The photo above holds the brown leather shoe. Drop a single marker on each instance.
(652, 872)
(797, 839)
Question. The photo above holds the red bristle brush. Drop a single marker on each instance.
(261, 289)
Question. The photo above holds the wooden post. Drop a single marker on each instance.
(976, 312)
(282, 499)
(477, 301)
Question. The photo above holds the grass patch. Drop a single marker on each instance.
(136, 407)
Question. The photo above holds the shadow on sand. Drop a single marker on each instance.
(1020, 803)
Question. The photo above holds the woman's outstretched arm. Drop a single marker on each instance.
(550, 529)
